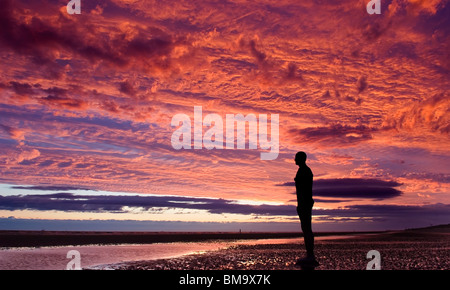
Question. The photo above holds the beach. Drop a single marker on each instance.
(108, 251)
(416, 249)
(400, 250)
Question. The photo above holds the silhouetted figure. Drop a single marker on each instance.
(303, 185)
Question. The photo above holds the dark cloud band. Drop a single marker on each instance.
(49, 188)
(122, 204)
(354, 188)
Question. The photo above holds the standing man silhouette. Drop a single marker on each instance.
(303, 185)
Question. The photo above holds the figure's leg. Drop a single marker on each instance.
(305, 222)
(309, 236)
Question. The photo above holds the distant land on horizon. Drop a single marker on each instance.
(12, 238)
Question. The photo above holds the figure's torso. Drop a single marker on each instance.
(303, 185)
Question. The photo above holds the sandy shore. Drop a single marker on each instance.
(405, 250)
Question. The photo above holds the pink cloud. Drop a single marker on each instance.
(416, 7)
(430, 114)
(14, 133)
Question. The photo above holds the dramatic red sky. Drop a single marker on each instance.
(87, 101)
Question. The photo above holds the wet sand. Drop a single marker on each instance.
(404, 250)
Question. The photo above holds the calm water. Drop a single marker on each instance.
(55, 258)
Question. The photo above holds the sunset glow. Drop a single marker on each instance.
(87, 103)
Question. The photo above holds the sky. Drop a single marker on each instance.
(87, 103)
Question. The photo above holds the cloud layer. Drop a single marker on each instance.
(122, 204)
(87, 100)
(354, 188)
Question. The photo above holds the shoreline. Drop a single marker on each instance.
(400, 250)
(24, 238)
(16, 239)
(427, 248)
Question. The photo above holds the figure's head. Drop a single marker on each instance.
(300, 158)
